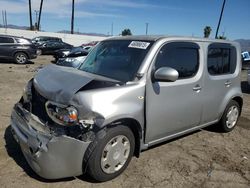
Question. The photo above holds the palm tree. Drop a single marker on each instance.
(207, 31)
(31, 26)
(72, 17)
(40, 12)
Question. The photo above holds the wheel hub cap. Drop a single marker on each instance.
(232, 117)
(115, 154)
(21, 59)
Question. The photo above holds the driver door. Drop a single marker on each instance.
(173, 107)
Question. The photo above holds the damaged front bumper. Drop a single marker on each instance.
(50, 156)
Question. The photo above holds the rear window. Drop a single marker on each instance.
(221, 59)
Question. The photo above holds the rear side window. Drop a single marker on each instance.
(6, 40)
(221, 59)
(182, 56)
(23, 41)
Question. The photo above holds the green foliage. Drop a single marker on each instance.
(126, 32)
(207, 31)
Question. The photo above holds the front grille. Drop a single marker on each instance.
(38, 106)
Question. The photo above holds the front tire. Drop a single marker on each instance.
(21, 58)
(230, 117)
(112, 154)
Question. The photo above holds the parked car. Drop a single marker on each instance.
(88, 48)
(74, 52)
(17, 48)
(49, 48)
(61, 53)
(92, 43)
(41, 39)
(130, 93)
(74, 62)
(245, 60)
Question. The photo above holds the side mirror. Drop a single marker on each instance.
(166, 74)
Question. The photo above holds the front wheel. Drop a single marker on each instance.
(112, 154)
(230, 116)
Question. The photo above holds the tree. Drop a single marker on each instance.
(126, 32)
(207, 31)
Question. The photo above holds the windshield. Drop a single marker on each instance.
(76, 49)
(117, 59)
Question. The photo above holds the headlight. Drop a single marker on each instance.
(63, 115)
(70, 60)
(27, 91)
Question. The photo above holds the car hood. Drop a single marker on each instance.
(59, 84)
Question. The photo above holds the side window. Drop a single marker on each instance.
(22, 41)
(182, 56)
(221, 59)
(6, 40)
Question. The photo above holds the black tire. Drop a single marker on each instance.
(94, 166)
(21, 58)
(225, 124)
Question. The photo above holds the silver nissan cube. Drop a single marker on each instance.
(130, 93)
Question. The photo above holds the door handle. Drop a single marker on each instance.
(228, 83)
(197, 88)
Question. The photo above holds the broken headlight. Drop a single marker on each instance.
(61, 114)
(27, 91)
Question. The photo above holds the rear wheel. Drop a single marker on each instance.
(230, 116)
(21, 58)
(112, 154)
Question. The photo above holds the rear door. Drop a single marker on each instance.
(172, 107)
(6, 47)
(220, 78)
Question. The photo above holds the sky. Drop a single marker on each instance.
(167, 17)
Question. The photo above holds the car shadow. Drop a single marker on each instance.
(14, 151)
(245, 87)
(5, 61)
(53, 61)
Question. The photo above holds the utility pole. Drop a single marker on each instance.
(6, 24)
(112, 25)
(36, 24)
(31, 26)
(3, 17)
(221, 13)
(146, 28)
(72, 17)
(40, 12)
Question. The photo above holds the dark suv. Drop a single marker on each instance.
(41, 39)
(17, 48)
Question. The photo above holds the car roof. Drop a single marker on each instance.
(14, 37)
(46, 37)
(159, 37)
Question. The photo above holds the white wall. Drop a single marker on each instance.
(75, 40)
